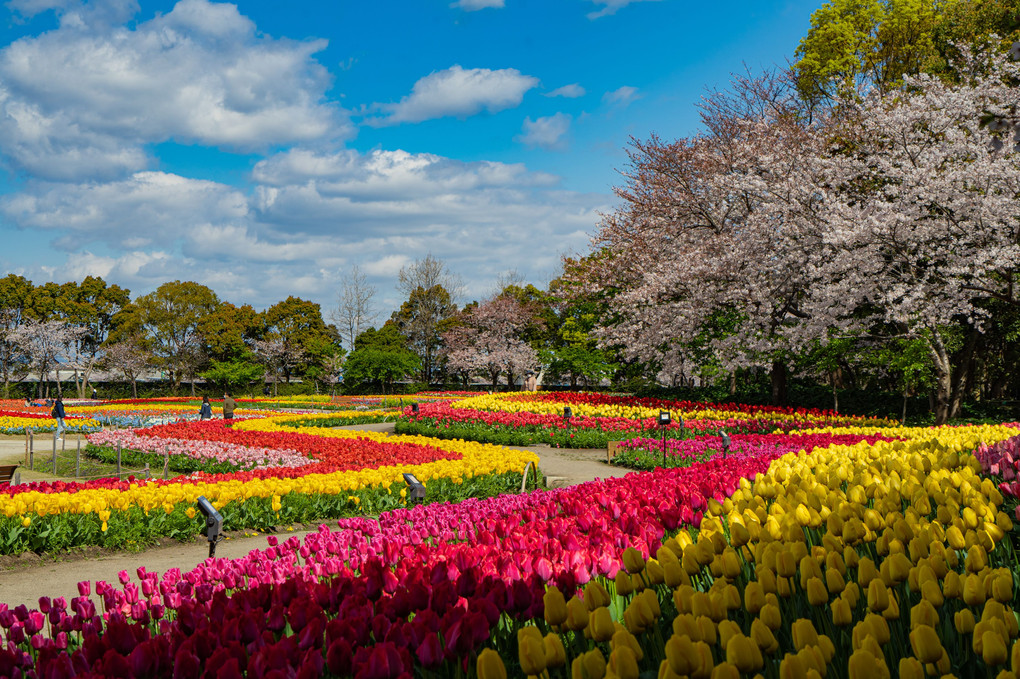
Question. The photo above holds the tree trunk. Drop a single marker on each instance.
(733, 383)
(778, 383)
(943, 377)
(134, 388)
(997, 390)
(903, 419)
(961, 377)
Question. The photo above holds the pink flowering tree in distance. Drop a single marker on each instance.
(489, 341)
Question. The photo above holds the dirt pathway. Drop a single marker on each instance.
(24, 579)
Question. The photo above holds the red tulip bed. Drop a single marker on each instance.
(596, 419)
(481, 588)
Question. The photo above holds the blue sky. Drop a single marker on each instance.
(264, 148)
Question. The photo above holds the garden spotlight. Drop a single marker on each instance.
(663, 424)
(567, 413)
(417, 493)
(414, 407)
(213, 523)
(725, 443)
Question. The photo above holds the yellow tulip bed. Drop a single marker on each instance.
(12, 423)
(863, 561)
(110, 512)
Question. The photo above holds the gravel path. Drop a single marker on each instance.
(25, 578)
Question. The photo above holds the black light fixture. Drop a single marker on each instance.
(567, 413)
(664, 420)
(414, 407)
(213, 523)
(725, 443)
(417, 493)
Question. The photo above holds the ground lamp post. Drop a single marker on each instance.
(567, 414)
(414, 407)
(213, 524)
(725, 444)
(663, 423)
(417, 493)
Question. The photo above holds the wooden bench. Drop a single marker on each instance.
(7, 473)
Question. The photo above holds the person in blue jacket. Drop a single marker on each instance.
(59, 414)
(205, 412)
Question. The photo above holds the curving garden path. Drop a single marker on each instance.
(25, 578)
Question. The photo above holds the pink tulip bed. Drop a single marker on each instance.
(212, 457)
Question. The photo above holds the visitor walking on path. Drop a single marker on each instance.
(59, 414)
(205, 412)
(228, 406)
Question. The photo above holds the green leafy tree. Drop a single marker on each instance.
(422, 319)
(15, 293)
(854, 45)
(90, 306)
(234, 374)
(379, 359)
(171, 317)
(228, 332)
(429, 311)
(304, 338)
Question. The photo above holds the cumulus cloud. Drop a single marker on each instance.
(459, 92)
(86, 98)
(146, 209)
(77, 12)
(548, 132)
(308, 216)
(572, 91)
(610, 7)
(475, 5)
(621, 96)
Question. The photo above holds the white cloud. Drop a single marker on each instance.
(78, 12)
(621, 96)
(572, 91)
(388, 265)
(475, 5)
(308, 216)
(459, 92)
(147, 209)
(85, 99)
(547, 132)
(611, 6)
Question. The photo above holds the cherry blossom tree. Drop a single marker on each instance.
(48, 345)
(489, 341)
(918, 195)
(718, 225)
(130, 357)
